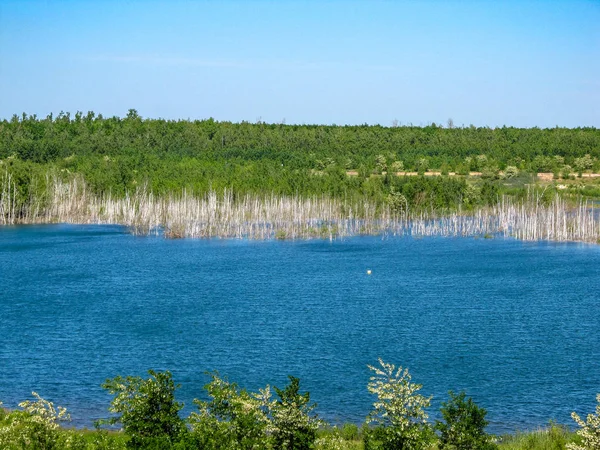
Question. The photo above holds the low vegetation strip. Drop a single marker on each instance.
(234, 418)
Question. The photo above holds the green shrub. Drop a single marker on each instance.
(399, 412)
(237, 419)
(349, 432)
(233, 418)
(147, 409)
(292, 424)
(35, 426)
(104, 440)
(464, 425)
(511, 172)
(346, 437)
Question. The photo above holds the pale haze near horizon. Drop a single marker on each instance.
(523, 64)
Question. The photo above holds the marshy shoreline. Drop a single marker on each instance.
(266, 217)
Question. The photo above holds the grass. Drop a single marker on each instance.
(345, 437)
(555, 437)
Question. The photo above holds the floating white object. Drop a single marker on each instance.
(369, 272)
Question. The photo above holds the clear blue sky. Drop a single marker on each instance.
(520, 63)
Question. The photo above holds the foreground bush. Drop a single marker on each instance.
(463, 426)
(235, 419)
(590, 430)
(35, 426)
(399, 412)
(292, 424)
(147, 409)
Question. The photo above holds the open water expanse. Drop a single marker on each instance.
(516, 325)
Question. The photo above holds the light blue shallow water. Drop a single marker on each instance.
(516, 325)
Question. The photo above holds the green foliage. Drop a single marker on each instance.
(235, 419)
(116, 155)
(489, 193)
(35, 426)
(104, 440)
(147, 409)
(399, 411)
(334, 440)
(511, 172)
(554, 438)
(232, 419)
(397, 166)
(444, 169)
(397, 201)
(349, 432)
(583, 163)
(380, 164)
(293, 426)
(422, 165)
(464, 425)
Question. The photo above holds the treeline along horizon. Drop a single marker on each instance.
(52, 137)
(118, 155)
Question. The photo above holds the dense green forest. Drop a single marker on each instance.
(118, 155)
(295, 146)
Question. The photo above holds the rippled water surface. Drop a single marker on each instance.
(516, 325)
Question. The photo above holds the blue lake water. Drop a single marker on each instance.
(516, 325)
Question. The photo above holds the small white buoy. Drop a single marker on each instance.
(369, 272)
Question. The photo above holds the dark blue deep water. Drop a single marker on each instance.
(516, 325)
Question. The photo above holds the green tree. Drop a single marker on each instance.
(381, 164)
(397, 201)
(233, 419)
(293, 426)
(584, 163)
(147, 409)
(397, 166)
(422, 165)
(464, 425)
(511, 172)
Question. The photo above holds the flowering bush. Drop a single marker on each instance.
(234, 418)
(399, 411)
(237, 419)
(292, 425)
(590, 430)
(35, 426)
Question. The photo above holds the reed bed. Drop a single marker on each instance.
(216, 215)
(527, 221)
(225, 215)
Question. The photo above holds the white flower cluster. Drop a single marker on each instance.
(35, 425)
(331, 443)
(399, 404)
(399, 411)
(43, 412)
(590, 430)
(236, 415)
